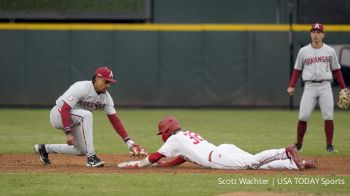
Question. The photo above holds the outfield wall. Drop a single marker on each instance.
(156, 65)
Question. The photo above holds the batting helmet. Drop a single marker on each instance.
(167, 127)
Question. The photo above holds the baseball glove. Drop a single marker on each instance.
(137, 150)
(344, 98)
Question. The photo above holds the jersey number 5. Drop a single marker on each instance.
(193, 136)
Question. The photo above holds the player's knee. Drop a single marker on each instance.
(56, 125)
(88, 115)
(81, 151)
(327, 117)
(304, 118)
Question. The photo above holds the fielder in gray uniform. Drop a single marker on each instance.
(318, 63)
(72, 114)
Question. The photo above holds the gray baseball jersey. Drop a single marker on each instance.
(317, 64)
(82, 95)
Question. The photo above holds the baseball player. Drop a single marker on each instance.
(317, 62)
(72, 114)
(190, 146)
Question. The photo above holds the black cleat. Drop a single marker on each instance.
(94, 161)
(330, 148)
(43, 155)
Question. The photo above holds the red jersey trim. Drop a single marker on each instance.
(339, 78)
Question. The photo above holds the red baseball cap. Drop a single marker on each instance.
(317, 26)
(105, 73)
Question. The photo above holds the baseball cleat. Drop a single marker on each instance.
(330, 148)
(94, 161)
(310, 164)
(43, 155)
(293, 155)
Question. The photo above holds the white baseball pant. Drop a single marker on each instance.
(229, 156)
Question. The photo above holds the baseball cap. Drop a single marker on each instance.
(105, 73)
(317, 26)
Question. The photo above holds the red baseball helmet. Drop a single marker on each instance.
(167, 127)
(105, 73)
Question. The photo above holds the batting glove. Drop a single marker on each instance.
(129, 165)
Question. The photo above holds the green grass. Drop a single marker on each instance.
(156, 184)
(252, 130)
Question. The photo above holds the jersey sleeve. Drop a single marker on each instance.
(170, 148)
(334, 61)
(109, 107)
(76, 92)
(299, 62)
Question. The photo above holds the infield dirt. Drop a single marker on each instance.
(30, 163)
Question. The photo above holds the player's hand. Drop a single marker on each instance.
(70, 139)
(290, 91)
(129, 165)
(137, 150)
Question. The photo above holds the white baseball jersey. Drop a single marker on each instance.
(82, 95)
(190, 146)
(194, 148)
(317, 64)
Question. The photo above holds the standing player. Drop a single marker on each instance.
(317, 62)
(189, 146)
(72, 114)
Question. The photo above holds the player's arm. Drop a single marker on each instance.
(65, 116)
(293, 80)
(118, 126)
(339, 78)
(175, 162)
(120, 129)
(70, 99)
(149, 160)
(298, 67)
(153, 158)
(336, 70)
(295, 76)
